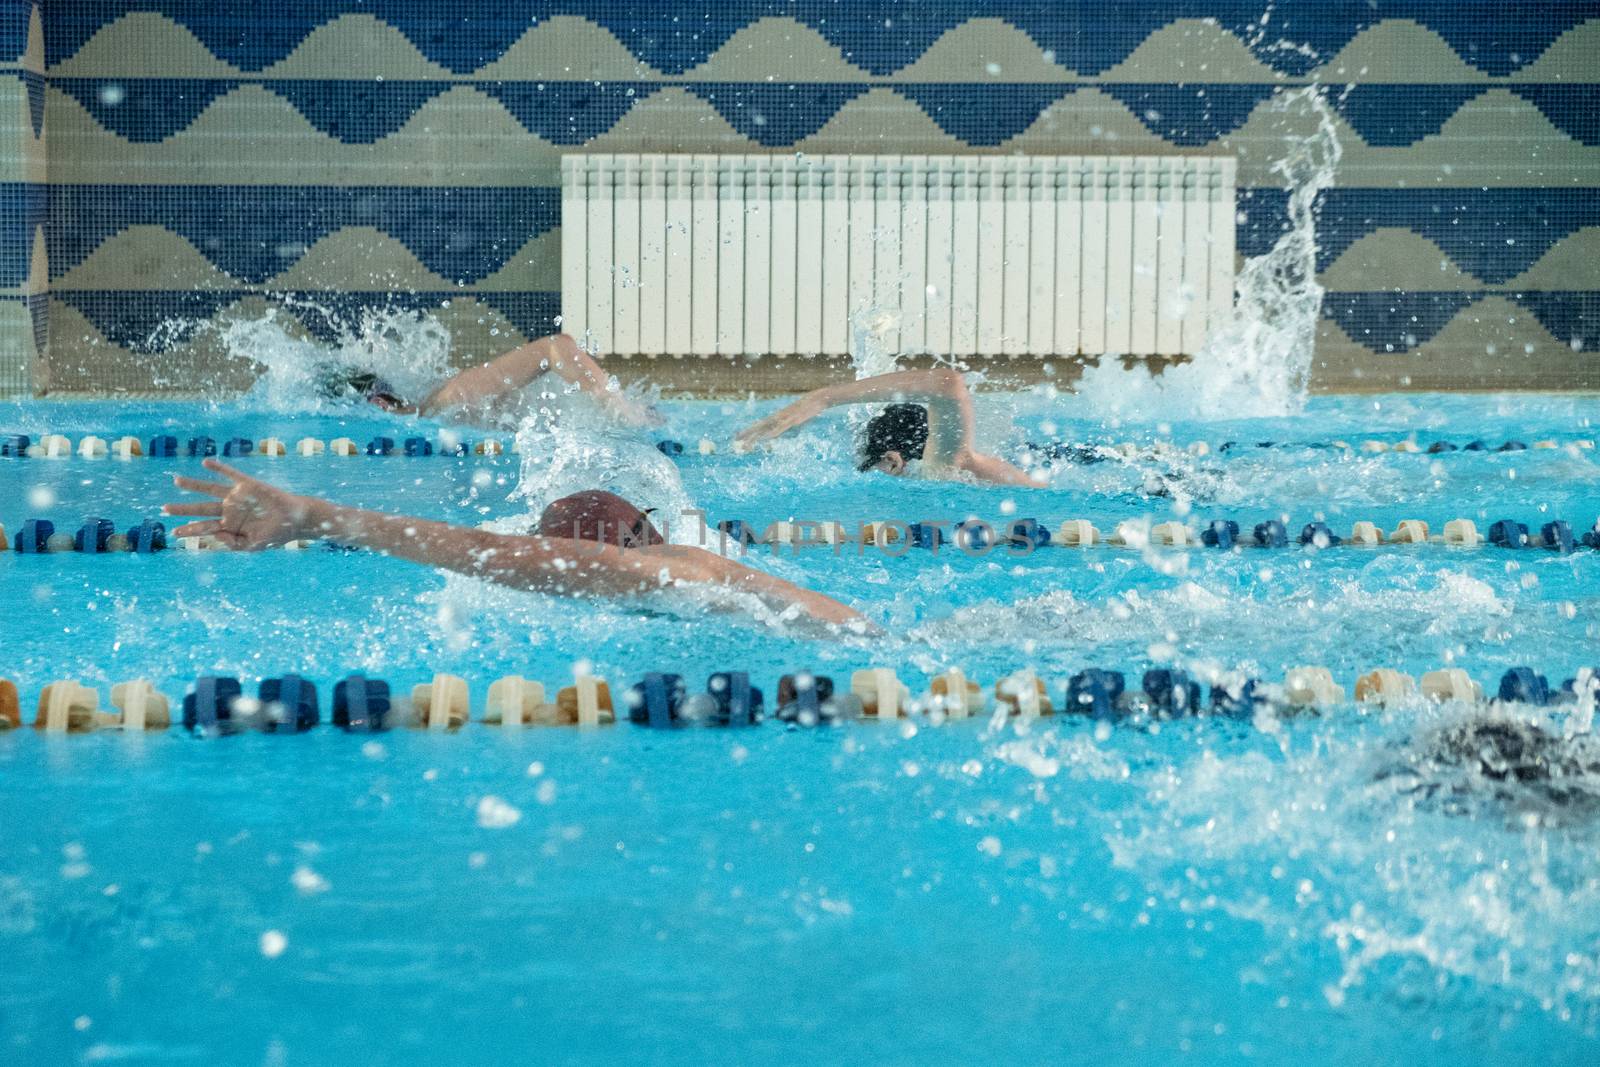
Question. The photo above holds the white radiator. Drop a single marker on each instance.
(967, 255)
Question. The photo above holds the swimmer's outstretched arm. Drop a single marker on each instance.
(952, 425)
(248, 514)
(471, 392)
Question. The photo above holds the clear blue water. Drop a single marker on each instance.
(1223, 891)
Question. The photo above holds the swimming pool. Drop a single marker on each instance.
(1283, 890)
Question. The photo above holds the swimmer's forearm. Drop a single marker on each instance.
(556, 565)
(909, 385)
(999, 472)
(934, 387)
(514, 370)
(435, 544)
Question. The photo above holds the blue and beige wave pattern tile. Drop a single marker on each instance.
(333, 156)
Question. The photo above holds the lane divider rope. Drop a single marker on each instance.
(169, 446)
(1094, 453)
(290, 703)
(98, 535)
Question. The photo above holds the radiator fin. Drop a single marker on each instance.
(994, 256)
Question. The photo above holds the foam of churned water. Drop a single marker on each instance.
(574, 446)
(1259, 363)
(409, 349)
(1418, 859)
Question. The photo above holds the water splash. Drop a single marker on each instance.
(1406, 893)
(568, 444)
(870, 352)
(409, 349)
(1259, 362)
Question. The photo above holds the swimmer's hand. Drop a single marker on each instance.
(781, 421)
(246, 513)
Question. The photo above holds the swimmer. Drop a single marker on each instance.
(588, 544)
(1497, 756)
(928, 417)
(493, 394)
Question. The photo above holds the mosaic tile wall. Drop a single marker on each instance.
(170, 163)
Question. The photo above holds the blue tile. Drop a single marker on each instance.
(1572, 317)
(1394, 321)
(144, 110)
(1493, 234)
(253, 232)
(1389, 116)
(1189, 115)
(777, 114)
(568, 113)
(150, 321)
(983, 115)
(1572, 108)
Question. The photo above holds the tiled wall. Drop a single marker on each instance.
(170, 161)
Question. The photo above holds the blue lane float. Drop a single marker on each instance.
(290, 704)
(670, 448)
(163, 446)
(736, 701)
(1508, 533)
(1171, 692)
(361, 704)
(805, 699)
(801, 696)
(380, 446)
(1271, 534)
(34, 537)
(1221, 533)
(15, 446)
(1557, 536)
(417, 447)
(1318, 535)
(208, 707)
(1096, 693)
(1029, 532)
(1239, 701)
(972, 534)
(93, 536)
(148, 536)
(238, 446)
(201, 447)
(655, 702)
(1523, 685)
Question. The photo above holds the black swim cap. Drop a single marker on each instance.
(901, 428)
(364, 384)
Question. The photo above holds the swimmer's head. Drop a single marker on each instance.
(368, 387)
(595, 515)
(894, 437)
